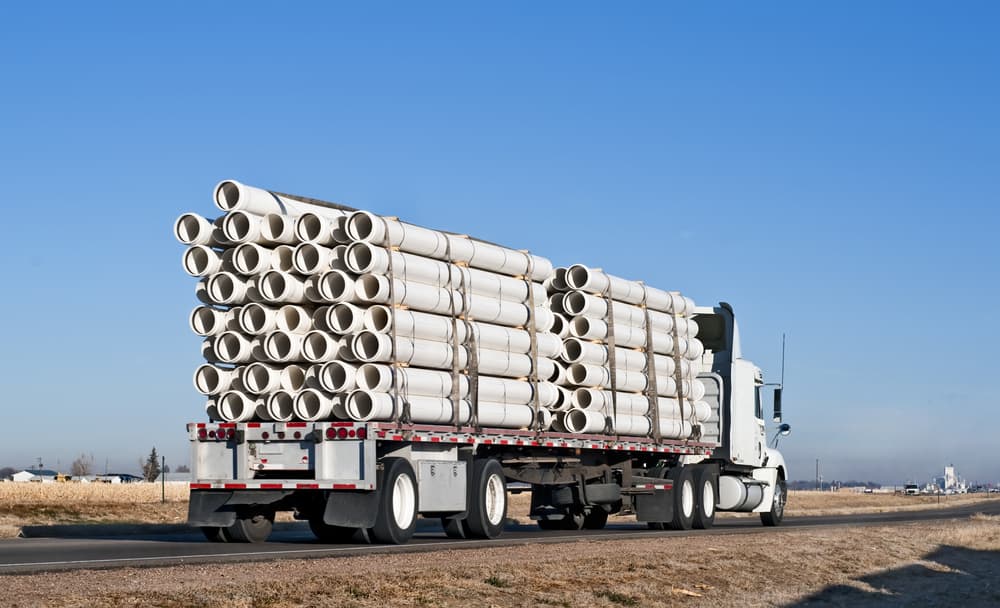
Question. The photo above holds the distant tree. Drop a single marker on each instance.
(166, 468)
(151, 466)
(7, 473)
(82, 466)
(183, 469)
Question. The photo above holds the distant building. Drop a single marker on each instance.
(36, 475)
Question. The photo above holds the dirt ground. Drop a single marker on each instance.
(939, 564)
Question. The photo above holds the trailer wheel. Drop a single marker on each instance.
(488, 500)
(685, 499)
(596, 519)
(704, 514)
(215, 534)
(550, 524)
(396, 519)
(573, 521)
(251, 527)
(326, 533)
(777, 512)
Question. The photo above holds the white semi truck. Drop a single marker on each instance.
(343, 477)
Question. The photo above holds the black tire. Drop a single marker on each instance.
(214, 534)
(327, 533)
(704, 513)
(487, 500)
(573, 521)
(396, 519)
(596, 519)
(251, 527)
(455, 528)
(685, 499)
(777, 512)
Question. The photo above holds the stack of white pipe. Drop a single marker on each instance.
(300, 303)
(596, 307)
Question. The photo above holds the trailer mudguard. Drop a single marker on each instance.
(351, 509)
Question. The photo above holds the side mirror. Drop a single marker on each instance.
(785, 429)
(777, 404)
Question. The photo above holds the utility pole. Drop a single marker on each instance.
(817, 475)
(163, 480)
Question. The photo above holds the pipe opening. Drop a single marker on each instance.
(583, 398)
(371, 286)
(273, 285)
(236, 226)
(315, 346)
(308, 405)
(233, 406)
(359, 257)
(293, 377)
(577, 276)
(278, 344)
(572, 350)
(274, 226)
(227, 195)
(307, 257)
(199, 260)
(366, 346)
(293, 318)
(373, 378)
(380, 319)
(188, 228)
(222, 287)
(229, 346)
(575, 421)
(574, 303)
(206, 321)
(281, 406)
(360, 226)
(333, 285)
(361, 405)
(309, 227)
(257, 378)
(207, 379)
(254, 318)
(334, 376)
(344, 317)
(577, 374)
(580, 326)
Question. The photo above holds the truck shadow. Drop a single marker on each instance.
(947, 576)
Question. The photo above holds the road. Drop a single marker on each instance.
(30, 555)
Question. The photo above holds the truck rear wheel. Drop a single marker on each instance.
(251, 527)
(704, 514)
(488, 500)
(396, 519)
(596, 519)
(777, 512)
(685, 499)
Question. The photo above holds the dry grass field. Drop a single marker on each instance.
(74, 503)
(936, 565)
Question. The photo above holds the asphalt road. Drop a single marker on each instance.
(28, 555)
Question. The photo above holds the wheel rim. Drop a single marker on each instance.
(495, 499)
(779, 500)
(687, 499)
(403, 502)
(708, 498)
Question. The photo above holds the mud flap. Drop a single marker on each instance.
(655, 507)
(351, 509)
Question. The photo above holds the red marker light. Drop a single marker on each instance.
(362, 433)
(331, 433)
(341, 433)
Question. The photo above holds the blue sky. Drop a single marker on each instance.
(832, 171)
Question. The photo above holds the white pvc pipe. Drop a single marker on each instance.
(575, 350)
(434, 383)
(339, 231)
(578, 303)
(374, 289)
(231, 195)
(557, 282)
(228, 288)
(365, 258)
(261, 378)
(634, 404)
(251, 258)
(589, 422)
(337, 377)
(211, 380)
(334, 286)
(556, 302)
(277, 228)
(625, 335)
(294, 319)
(283, 258)
(201, 260)
(281, 346)
(208, 321)
(595, 280)
(256, 319)
(312, 258)
(439, 328)
(276, 286)
(366, 405)
(237, 406)
(584, 421)
(234, 347)
(311, 227)
(342, 318)
(293, 378)
(320, 347)
(281, 406)
(311, 405)
(193, 229)
(241, 227)
(584, 374)
(371, 347)
(365, 226)
(560, 326)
